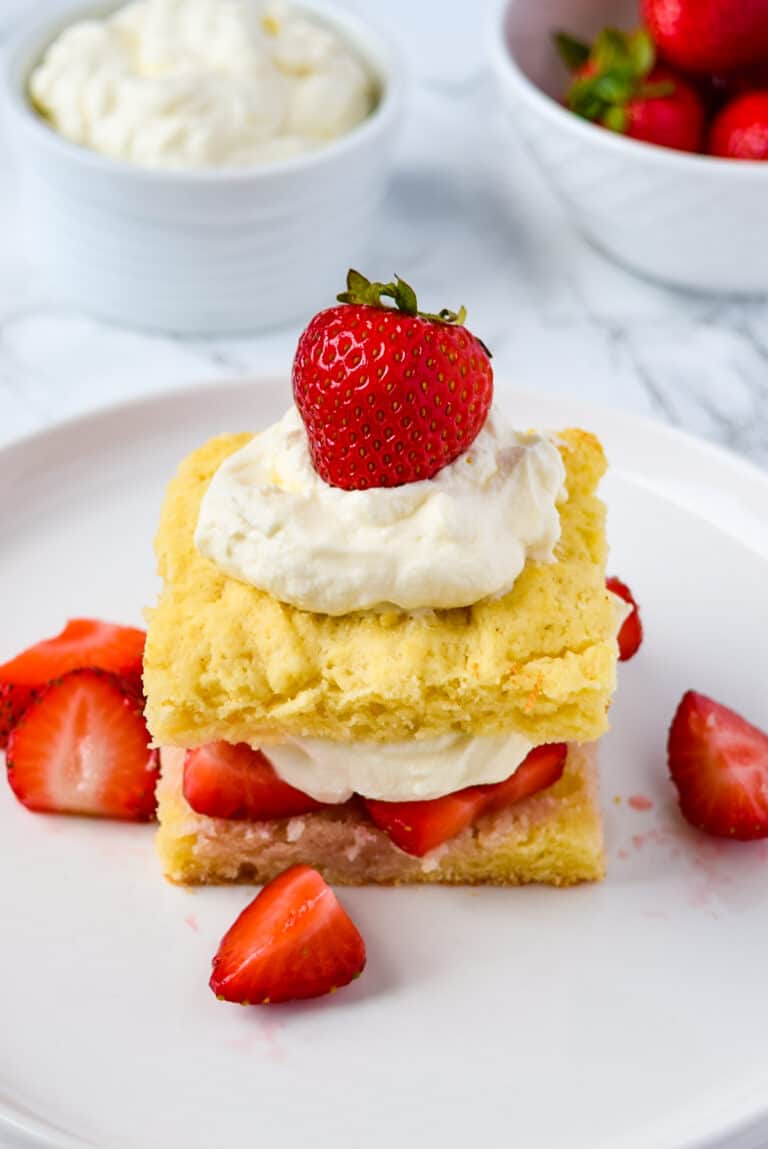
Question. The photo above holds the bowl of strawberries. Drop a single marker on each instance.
(650, 120)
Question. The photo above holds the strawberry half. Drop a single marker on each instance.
(83, 748)
(84, 642)
(630, 636)
(418, 827)
(719, 764)
(234, 781)
(388, 395)
(293, 941)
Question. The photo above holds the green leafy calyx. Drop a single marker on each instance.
(362, 291)
(609, 74)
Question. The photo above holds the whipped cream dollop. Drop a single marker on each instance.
(268, 519)
(396, 771)
(202, 83)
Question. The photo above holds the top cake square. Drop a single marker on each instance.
(227, 661)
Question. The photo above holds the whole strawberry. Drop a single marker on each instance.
(388, 395)
(740, 130)
(618, 84)
(708, 35)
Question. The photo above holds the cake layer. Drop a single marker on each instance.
(227, 661)
(554, 837)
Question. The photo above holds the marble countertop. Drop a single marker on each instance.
(557, 314)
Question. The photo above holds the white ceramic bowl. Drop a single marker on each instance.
(210, 251)
(689, 220)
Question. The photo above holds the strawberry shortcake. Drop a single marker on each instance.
(384, 646)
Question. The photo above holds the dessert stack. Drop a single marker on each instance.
(384, 645)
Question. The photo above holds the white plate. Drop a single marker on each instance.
(631, 1015)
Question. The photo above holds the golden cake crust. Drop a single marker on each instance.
(554, 837)
(227, 661)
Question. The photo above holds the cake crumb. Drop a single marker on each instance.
(362, 836)
(294, 829)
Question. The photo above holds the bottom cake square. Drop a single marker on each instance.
(553, 837)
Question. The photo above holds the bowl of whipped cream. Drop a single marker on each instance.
(202, 166)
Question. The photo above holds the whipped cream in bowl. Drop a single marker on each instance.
(269, 520)
(183, 159)
(202, 83)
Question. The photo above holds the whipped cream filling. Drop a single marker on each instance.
(395, 771)
(202, 83)
(268, 519)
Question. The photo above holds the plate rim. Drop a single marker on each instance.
(623, 420)
(744, 1108)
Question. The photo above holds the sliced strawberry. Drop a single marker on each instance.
(226, 781)
(719, 764)
(84, 642)
(418, 827)
(83, 748)
(14, 700)
(542, 768)
(631, 634)
(294, 940)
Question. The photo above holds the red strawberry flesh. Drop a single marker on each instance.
(293, 941)
(719, 763)
(630, 635)
(418, 827)
(83, 748)
(223, 780)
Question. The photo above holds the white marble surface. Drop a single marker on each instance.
(557, 315)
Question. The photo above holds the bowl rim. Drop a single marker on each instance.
(377, 50)
(509, 72)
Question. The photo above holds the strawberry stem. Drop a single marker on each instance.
(574, 53)
(614, 72)
(362, 291)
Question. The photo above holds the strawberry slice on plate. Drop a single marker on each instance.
(83, 748)
(719, 763)
(630, 636)
(234, 781)
(294, 940)
(84, 642)
(418, 827)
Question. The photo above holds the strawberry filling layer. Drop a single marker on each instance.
(226, 781)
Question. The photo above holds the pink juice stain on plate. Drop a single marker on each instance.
(640, 802)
